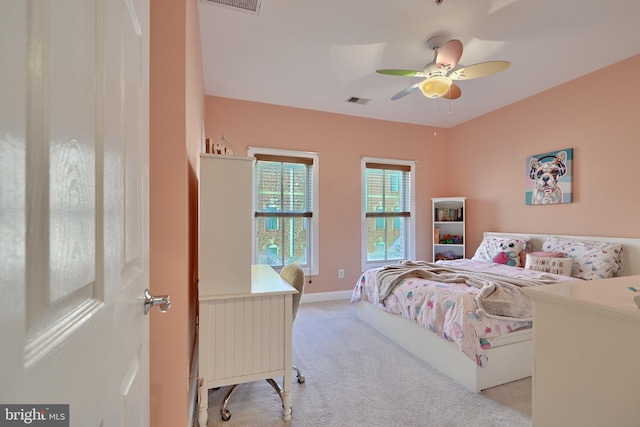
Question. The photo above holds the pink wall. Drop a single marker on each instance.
(176, 120)
(602, 127)
(341, 142)
(489, 153)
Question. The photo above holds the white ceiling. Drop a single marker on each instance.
(315, 54)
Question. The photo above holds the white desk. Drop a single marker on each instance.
(586, 339)
(246, 337)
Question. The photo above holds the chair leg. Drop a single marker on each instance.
(225, 414)
(277, 388)
(299, 375)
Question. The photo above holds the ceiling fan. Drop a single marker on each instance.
(439, 74)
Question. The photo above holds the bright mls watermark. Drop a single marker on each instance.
(34, 415)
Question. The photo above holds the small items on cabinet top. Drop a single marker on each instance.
(222, 148)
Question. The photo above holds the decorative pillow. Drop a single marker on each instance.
(553, 265)
(548, 254)
(591, 260)
(501, 249)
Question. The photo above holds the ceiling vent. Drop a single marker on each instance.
(252, 6)
(356, 100)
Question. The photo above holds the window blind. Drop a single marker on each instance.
(283, 186)
(388, 190)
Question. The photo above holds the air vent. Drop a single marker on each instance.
(356, 100)
(252, 6)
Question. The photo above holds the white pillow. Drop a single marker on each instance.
(490, 246)
(552, 265)
(591, 260)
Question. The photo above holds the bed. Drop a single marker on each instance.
(454, 324)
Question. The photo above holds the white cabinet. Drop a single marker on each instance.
(245, 311)
(448, 227)
(586, 349)
(224, 241)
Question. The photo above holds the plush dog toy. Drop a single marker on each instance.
(508, 253)
(546, 176)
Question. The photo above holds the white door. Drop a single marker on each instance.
(73, 209)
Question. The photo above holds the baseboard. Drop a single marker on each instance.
(325, 296)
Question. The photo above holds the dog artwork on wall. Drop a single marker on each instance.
(549, 178)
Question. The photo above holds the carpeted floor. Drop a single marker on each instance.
(357, 377)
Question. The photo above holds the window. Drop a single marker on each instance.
(285, 208)
(387, 211)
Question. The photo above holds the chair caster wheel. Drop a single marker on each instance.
(300, 379)
(225, 415)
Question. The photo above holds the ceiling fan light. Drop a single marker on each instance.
(435, 87)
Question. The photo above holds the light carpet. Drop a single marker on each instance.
(357, 377)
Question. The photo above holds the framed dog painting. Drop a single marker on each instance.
(549, 178)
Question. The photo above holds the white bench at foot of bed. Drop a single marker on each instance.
(510, 357)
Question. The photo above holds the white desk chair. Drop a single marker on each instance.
(294, 275)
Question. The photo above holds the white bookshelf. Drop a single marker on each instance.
(448, 217)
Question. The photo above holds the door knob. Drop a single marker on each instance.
(163, 302)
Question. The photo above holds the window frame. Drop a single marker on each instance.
(410, 221)
(312, 268)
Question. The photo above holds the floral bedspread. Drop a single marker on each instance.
(448, 310)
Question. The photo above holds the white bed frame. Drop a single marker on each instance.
(510, 355)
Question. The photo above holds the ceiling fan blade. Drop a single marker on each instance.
(449, 54)
(482, 69)
(405, 92)
(411, 73)
(454, 92)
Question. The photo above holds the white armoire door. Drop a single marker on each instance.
(73, 208)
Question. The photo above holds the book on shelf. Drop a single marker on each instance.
(436, 235)
(446, 214)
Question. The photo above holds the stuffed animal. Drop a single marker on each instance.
(508, 253)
